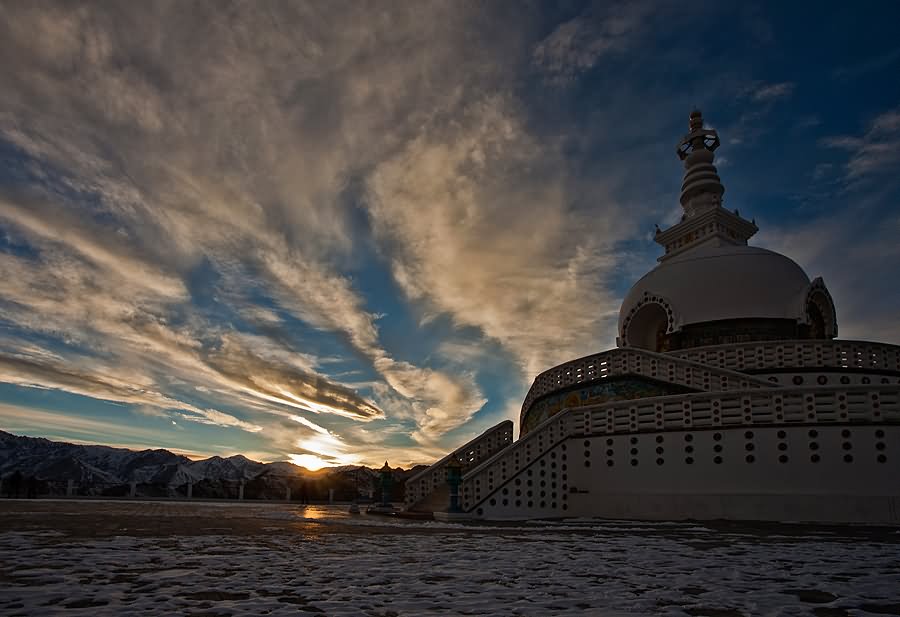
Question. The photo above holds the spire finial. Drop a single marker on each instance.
(696, 121)
(702, 188)
(698, 138)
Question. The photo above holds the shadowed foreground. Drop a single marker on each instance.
(104, 558)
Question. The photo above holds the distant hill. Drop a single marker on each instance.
(102, 470)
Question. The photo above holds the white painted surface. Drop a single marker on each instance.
(724, 282)
(846, 473)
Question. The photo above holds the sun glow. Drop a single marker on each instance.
(310, 461)
(321, 449)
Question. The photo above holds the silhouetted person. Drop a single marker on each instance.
(31, 487)
(14, 484)
(304, 494)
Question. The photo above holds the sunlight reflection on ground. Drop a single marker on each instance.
(225, 558)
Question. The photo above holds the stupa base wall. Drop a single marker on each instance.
(812, 473)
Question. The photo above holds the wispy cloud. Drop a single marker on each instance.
(871, 65)
(500, 249)
(875, 152)
(772, 92)
(575, 46)
(760, 99)
(145, 169)
(72, 428)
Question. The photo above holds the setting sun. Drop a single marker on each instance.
(310, 461)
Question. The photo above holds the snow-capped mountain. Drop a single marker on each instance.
(103, 470)
(237, 467)
(51, 460)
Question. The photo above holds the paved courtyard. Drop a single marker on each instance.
(165, 558)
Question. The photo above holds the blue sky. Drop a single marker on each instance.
(347, 232)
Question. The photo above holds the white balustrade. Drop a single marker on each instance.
(797, 354)
(633, 361)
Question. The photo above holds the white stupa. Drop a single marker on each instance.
(728, 396)
(710, 286)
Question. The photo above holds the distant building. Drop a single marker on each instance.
(728, 396)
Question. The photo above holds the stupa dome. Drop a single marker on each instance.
(717, 283)
(711, 287)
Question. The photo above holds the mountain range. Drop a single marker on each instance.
(104, 470)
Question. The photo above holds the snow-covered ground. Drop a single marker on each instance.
(289, 560)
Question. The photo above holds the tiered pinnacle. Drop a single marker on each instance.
(705, 221)
(701, 190)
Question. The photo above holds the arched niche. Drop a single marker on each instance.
(819, 312)
(648, 328)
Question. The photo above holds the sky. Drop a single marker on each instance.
(344, 232)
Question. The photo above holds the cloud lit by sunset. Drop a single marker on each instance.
(342, 233)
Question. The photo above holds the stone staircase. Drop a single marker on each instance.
(437, 501)
(427, 491)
